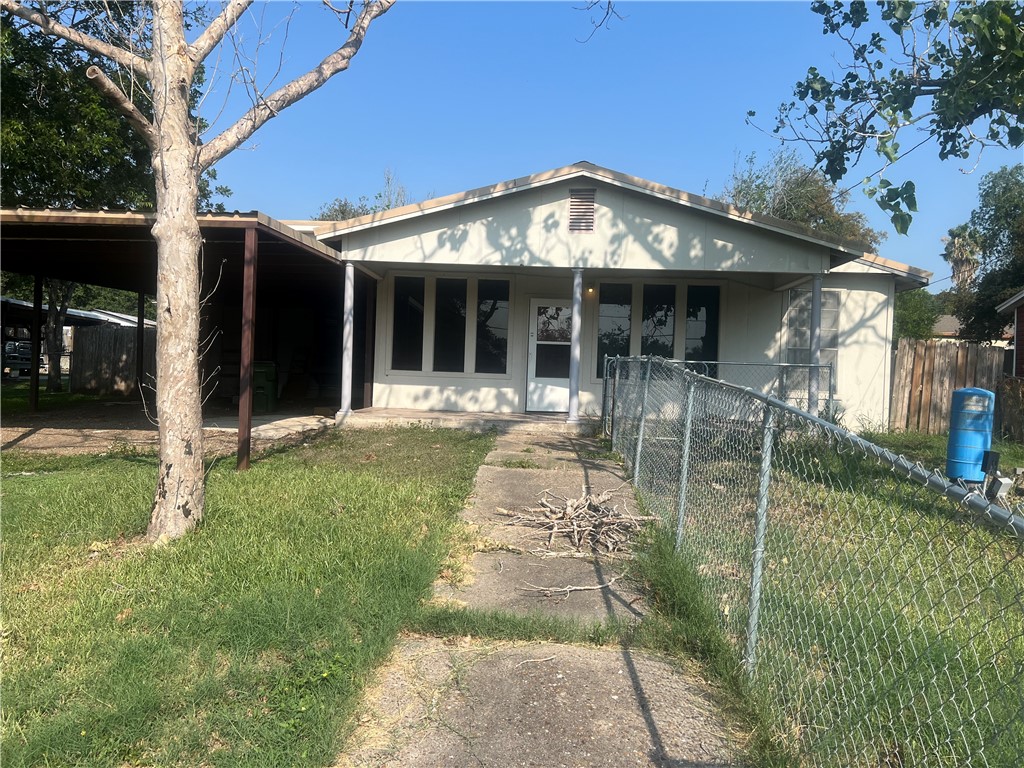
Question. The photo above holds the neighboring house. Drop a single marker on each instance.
(947, 328)
(477, 292)
(506, 298)
(1015, 304)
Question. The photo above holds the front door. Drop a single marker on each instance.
(547, 388)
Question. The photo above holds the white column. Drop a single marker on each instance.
(812, 378)
(574, 349)
(347, 337)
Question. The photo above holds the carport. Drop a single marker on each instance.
(272, 297)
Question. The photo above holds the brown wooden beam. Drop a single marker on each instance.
(37, 344)
(248, 350)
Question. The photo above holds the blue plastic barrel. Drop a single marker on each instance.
(970, 433)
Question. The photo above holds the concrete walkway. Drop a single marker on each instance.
(472, 702)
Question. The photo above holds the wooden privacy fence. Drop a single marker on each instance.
(104, 359)
(927, 372)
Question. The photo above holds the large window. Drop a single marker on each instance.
(450, 325)
(702, 303)
(798, 335)
(658, 327)
(615, 305)
(407, 350)
(492, 314)
(454, 315)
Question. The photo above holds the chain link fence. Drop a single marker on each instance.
(877, 607)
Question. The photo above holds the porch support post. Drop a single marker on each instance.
(248, 349)
(574, 348)
(37, 344)
(140, 342)
(347, 337)
(813, 373)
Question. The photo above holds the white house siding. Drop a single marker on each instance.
(865, 338)
(632, 231)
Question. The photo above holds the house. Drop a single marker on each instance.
(1015, 304)
(947, 328)
(508, 298)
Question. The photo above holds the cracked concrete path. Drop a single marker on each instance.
(474, 702)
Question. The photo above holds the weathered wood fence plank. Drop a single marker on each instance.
(925, 375)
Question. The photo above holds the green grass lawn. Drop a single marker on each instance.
(247, 642)
(930, 450)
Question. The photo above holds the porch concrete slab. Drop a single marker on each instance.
(472, 703)
(521, 423)
(563, 587)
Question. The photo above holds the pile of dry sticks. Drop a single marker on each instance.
(590, 522)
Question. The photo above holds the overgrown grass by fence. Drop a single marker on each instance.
(878, 608)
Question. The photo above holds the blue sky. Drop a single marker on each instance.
(457, 95)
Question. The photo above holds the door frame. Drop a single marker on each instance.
(544, 389)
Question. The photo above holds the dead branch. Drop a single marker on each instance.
(591, 523)
(566, 590)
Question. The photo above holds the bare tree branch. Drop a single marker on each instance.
(215, 32)
(298, 88)
(89, 43)
(109, 88)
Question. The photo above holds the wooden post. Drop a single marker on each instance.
(140, 343)
(37, 344)
(248, 348)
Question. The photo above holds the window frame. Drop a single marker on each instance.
(429, 311)
(789, 335)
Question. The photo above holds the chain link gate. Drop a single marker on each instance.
(877, 606)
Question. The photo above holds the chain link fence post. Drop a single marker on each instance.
(760, 533)
(614, 430)
(643, 418)
(684, 462)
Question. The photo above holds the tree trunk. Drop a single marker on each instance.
(58, 294)
(179, 500)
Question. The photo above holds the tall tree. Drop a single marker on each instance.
(786, 188)
(951, 72)
(914, 315)
(157, 58)
(997, 225)
(960, 250)
(93, 158)
(392, 195)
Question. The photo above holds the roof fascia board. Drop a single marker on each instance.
(1011, 303)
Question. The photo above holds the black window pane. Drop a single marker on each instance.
(613, 318)
(407, 347)
(450, 325)
(658, 331)
(702, 303)
(553, 361)
(492, 326)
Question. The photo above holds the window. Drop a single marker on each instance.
(658, 325)
(492, 312)
(702, 303)
(407, 350)
(453, 316)
(798, 335)
(450, 325)
(615, 305)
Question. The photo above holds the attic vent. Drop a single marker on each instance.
(581, 210)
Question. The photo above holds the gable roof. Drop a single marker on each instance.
(907, 277)
(326, 231)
